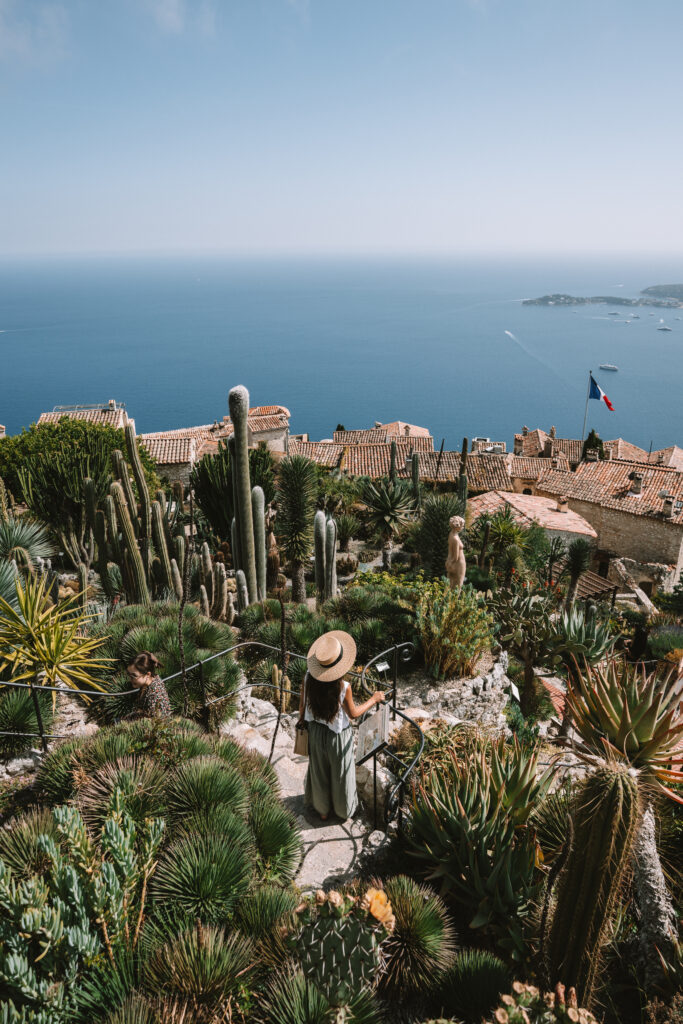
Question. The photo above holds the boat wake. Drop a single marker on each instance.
(532, 355)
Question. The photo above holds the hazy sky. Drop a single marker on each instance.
(341, 125)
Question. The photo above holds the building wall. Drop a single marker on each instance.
(175, 471)
(275, 439)
(641, 538)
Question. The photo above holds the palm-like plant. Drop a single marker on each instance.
(41, 642)
(23, 541)
(579, 555)
(8, 590)
(297, 492)
(348, 526)
(389, 506)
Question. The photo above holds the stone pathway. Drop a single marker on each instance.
(331, 849)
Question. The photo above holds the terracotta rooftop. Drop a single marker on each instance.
(374, 460)
(607, 483)
(484, 472)
(168, 451)
(620, 449)
(114, 416)
(672, 456)
(324, 453)
(400, 429)
(382, 435)
(531, 508)
(531, 468)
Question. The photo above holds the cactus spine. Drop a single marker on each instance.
(238, 402)
(258, 510)
(320, 540)
(605, 818)
(341, 956)
(330, 559)
(132, 558)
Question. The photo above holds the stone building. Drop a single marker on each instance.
(637, 512)
(537, 444)
(108, 414)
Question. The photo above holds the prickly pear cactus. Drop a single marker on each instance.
(339, 942)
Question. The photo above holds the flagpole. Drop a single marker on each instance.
(583, 432)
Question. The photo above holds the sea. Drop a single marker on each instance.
(445, 343)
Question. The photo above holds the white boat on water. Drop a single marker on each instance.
(664, 328)
(608, 366)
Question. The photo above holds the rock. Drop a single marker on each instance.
(431, 696)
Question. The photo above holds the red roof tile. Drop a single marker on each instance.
(105, 416)
(607, 483)
(525, 468)
(531, 508)
(324, 453)
(168, 451)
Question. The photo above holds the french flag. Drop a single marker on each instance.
(597, 392)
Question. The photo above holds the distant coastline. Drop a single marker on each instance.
(666, 296)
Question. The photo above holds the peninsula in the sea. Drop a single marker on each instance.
(669, 296)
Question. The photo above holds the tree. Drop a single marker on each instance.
(593, 443)
(296, 497)
(579, 556)
(389, 506)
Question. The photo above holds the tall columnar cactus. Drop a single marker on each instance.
(123, 476)
(206, 570)
(242, 592)
(238, 402)
(462, 479)
(219, 606)
(330, 559)
(83, 586)
(230, 612)
(143, 492)
(605, 820)
(4, 502)
(132, 559)
(415, 473)
(235, 542)
(177, 579)
(161, 546)
(320, 543)
(258, 509)
(392, 464)
(204, 602)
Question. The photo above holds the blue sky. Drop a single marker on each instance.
(341, 126)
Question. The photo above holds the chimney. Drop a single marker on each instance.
(548, 448)
(525, 431)
(592, 455)
(636, 483)
(112, 403)
(551, 432)
(377, 423)
(669, 507)
(406, 430)
(562, 503)
(409, 463)
(554, 463)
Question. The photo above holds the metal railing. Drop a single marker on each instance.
(397, 654)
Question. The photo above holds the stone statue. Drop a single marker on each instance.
(455, 563)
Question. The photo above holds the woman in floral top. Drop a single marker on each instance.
(142, 672)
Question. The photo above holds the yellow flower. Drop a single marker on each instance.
(335, 899)
(380, 907)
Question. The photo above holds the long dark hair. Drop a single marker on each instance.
(145, 663)
(323, 699)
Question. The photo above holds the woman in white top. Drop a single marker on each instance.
(326, 708)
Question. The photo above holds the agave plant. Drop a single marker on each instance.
(389, 506)
(203, 784)
(348, 527)
(278, 844)
(473, 985)
(202, 968)
(204, 876)
(422, 943)
(139, 783)
(580, 636)
(467, 836)
(17, 716)
(19, 844)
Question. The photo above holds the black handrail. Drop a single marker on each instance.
(402, 652)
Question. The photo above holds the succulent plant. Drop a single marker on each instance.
(258, 510)
(292, 999)
(238, 402)
(433, 530)
(19, 843)
(278, 843)
(319, 541)
(204, 783)
(203, 876)
(527, 1005)
(473, 985)
(422, 943)
(605, 822)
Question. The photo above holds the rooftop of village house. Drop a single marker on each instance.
(526, 509)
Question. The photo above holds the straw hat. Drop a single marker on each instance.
(331, 656)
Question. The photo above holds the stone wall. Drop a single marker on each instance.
(641, 538)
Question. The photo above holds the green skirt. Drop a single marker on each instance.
(331, 776)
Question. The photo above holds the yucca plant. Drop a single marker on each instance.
(220, 821)
(201, 967)
(550, 820)
(579, 556)
(297, 489)
(18, 715)
(422, 943)
(8, 589)
(389, 506)
(135, 1010)
(467, 836)
(204, 876)
(24, 540)
(348, 527)
(473, 985)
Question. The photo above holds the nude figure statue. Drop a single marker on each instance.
(455, 563)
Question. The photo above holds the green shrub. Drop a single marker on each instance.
(455, 629)
(19, 843)
(18, 715)
(421, 945)
(664, 639)
(204, 876)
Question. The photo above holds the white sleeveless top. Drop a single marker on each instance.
(340, 720)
